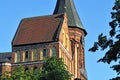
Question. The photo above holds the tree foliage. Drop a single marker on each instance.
(21, 74)
(111, 43)
(53, 69)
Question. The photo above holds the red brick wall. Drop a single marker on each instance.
(76, 35)
(5, 67)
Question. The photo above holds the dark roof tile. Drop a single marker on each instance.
(5, 56)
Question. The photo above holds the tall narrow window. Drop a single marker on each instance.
(73, 47)
(18, 56)
(82, 41)
(53, 51)
(26, 55)
(44, 52)
(35, 54)
(63, 34)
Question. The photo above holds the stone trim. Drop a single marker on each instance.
(28, 63)
(67, 53)
(5, 64)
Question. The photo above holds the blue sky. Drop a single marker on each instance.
(94, 14)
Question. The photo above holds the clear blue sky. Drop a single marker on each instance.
(94, 14)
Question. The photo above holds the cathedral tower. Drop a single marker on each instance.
(76, 34)
(60, 34)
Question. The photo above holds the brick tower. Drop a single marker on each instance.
(76, 34)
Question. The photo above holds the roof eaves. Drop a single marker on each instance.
(17, 31)
(32, 43)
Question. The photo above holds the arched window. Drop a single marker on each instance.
(53, 51)
(18, 56)
(43, 54)
(35, 54)
(82, 41)
(26, 55)
(73, 47)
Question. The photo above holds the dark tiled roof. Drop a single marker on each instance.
(37, 29)
(5, 56)
(68, 6)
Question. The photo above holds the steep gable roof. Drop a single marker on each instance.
(37, 29)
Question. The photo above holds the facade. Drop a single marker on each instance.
(60, 34)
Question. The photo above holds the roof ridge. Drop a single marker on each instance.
(43, 16)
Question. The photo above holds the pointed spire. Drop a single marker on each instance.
(68, 6)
